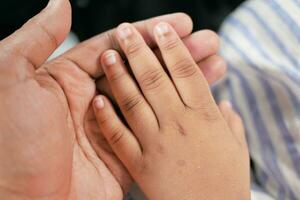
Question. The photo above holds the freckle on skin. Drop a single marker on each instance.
(181, 163)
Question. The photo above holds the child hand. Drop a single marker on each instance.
(179, 145)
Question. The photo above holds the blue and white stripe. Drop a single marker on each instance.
(261, 43)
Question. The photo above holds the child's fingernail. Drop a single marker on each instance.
(124, 31)
(110, 58)
(162, 29)
(99, 103)
(228, 104)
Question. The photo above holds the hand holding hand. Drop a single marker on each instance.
(50, 144)
(177, 145)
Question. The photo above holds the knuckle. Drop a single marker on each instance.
(207, 112)
(152, 79)
(171, 44)
(51, 37)
(104, 121)
(116, 76)
(184, 68)
(116, 136)
(209, 116)
(204, 108)
(110, 37)
(134, 48)
(130, 103)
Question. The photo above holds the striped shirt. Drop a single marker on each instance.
(261, 43)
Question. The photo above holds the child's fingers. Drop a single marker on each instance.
(201, 44)
(104, 151)
(131, 101)
(234, 121)
(86, 54)
(186, 75)
(116, 133)
(150, 75)
(213, 68)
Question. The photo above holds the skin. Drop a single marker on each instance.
(50, 143)
(178, 144)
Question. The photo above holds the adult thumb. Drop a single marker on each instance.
(41, 35)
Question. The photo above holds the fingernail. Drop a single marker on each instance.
(99, 103)
(110, 58)
(124, 31)
(228, 104)
(162, 29)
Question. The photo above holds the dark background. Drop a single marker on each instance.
(91, 17)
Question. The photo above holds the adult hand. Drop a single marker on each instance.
(45, 112)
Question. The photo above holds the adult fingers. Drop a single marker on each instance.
(186, 75)
(213, 69)
(86, 54)
(116, 133)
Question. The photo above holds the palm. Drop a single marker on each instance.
(56, 154)
(90, 177)
(45, 121)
